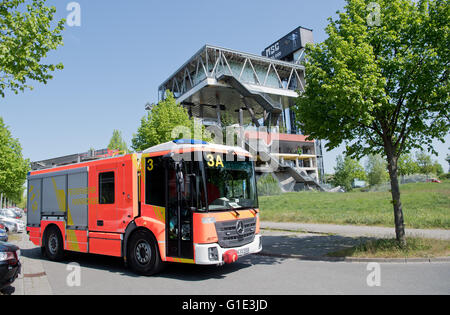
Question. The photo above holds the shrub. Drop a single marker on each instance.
(268, 186)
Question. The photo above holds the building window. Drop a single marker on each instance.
(106, 192)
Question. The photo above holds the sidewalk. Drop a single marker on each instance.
(353, 230)
(315, 241)
(33, 279)
(311, 246)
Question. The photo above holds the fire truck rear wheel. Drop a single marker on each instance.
(54, 246)
(143, 254)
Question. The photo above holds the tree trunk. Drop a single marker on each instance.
(395, 191)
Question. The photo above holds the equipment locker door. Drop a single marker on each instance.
(77, 194)
(34, 202)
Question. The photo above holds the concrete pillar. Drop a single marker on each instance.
(219, 120)
(201, 111)
(241, 117)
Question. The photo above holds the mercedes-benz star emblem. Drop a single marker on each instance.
(240, 227)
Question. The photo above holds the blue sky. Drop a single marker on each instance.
(123, 50)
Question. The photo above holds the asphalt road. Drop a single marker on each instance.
(250, 275)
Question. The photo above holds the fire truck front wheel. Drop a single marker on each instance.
(143, 254)
(54, 246)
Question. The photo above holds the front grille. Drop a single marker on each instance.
(228, 236)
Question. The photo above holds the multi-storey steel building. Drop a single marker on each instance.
(223, 87)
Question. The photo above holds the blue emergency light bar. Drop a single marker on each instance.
(189, 141)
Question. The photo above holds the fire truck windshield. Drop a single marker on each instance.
(230, 185)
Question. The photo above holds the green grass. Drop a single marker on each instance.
(390, 248)
(425, 205)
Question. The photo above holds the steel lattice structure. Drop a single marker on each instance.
(256, 91)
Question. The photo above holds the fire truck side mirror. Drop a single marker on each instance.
(168, 160)
(179, 175)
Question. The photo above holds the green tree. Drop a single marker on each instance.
(26, 37)
(116, 142)
(13, 167)
(167, 121)
(379, 82)
(437, 168)
(428, 166)
(347, 170)
(425, 163)
(407, 165)
(376, 170)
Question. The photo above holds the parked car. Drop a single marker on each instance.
(433, 180)
(3, 234)
(9, 213)
(9, 264)
(17, 211)
(9, 225)
(12, 225)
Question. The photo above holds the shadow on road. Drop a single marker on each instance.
(184, 272)
(313, 247)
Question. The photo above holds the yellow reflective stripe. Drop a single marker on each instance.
(33, 196)
(72, 240)
(160, 213)
(183, 260)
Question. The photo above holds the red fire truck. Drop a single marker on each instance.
(183, 201)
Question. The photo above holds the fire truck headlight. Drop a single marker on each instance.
(213, 254)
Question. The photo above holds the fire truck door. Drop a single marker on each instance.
(179, 218)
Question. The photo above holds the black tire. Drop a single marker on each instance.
(8, 290)
(54, 245)
(143, 253)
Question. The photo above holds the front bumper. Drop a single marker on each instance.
(202, 251)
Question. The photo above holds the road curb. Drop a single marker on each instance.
(357, 260)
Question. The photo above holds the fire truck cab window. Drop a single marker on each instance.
(155, 182)
(106, 188)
